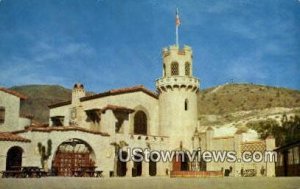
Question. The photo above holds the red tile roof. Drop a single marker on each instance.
(110, 93)
(117, 108)
(44, 128)
(21, 96)
(28, 116)
(60, 104)
(5, 136)
(121, 91)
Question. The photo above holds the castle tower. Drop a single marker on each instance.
(178, 97)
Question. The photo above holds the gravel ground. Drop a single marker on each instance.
(151, 182)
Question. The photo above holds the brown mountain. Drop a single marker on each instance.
(39, 97)
(230, 98)
(218, 100)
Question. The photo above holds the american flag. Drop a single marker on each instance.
(177, 18)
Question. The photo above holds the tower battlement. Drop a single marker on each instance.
(175, 50)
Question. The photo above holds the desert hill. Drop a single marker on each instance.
(223, 102)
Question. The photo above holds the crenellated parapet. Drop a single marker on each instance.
(177, 62)
(175, 51)
(177, 70)
(177, 82)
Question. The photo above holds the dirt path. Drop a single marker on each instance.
(151, 182)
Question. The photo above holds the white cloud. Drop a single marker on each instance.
(33, 68)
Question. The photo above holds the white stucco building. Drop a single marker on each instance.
(88, 130)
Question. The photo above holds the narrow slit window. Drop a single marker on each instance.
(2, 114)
(186, 104)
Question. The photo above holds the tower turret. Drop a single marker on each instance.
(178, 96)
(77, 93)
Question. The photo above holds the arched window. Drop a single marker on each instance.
(187, 69)
(186, 104)
(140, 123)
(164, 70)
(174, 68)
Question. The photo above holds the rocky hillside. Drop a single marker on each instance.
(242, 97)
(39, 97)
(222, 103)
(238, 104)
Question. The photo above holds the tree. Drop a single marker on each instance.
(286, 132)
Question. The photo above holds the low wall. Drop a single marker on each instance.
(196, 174)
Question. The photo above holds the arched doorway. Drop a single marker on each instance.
(137, 165)
(122, 165)
(14, 158)
(73, 157)
(152, 165)
(181, 162)
(140, 123)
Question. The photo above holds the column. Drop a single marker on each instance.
(145, 169)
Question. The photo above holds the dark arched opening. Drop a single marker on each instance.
(137, 165)
(152, 165)
(140, 123)
(73, 157)
(181, 162)
(185, 163)
(14, 158)
(122, 165)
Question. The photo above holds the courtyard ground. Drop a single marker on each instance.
(151, 182)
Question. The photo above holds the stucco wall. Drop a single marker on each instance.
(12, 109)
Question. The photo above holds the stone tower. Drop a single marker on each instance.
(178, 97)
(76, 111)
(77, 93)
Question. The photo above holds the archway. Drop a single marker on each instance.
(152, 165)
(137, 165)
(122, 165)
(72, 157)
(14, 158)
(140, 123)
(181, 162)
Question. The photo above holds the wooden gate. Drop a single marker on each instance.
(69, 163)
(73, 158)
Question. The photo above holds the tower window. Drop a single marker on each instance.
(187, 69)
(186, 104)
(164, 70)
(174, 68)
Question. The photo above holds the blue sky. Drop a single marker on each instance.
(108, 44)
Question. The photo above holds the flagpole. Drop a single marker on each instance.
(177, 41)
(177, 24)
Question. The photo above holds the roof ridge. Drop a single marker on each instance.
(120, 91)
(12, 92)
